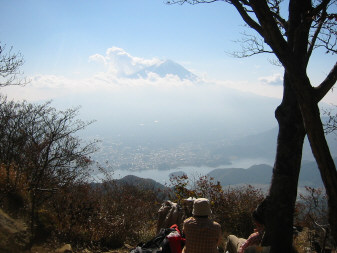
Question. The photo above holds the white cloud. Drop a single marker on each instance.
(97, 58)
(275, 79)
(121, 63)
(118, 66)
(45, 87)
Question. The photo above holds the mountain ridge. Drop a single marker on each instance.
(262, 173)
(167, 67)
(258, 175)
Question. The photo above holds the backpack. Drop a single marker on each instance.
(155, 244)
(168, 240)
(175, 240)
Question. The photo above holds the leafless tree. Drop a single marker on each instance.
(10, 64)
(39, 143)
(309, 25)
(330, 126)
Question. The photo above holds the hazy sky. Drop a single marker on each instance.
(73, 46)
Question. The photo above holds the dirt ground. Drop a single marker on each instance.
(50, 249)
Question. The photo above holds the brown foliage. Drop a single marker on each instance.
(13, 189)
(312, 208)
(231, 207)
(104, 214)
(312, 214)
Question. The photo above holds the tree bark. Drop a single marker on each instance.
(283, 189)
(299, 108)
(320, 149)
(326, 165)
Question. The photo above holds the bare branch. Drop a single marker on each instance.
(330, 126)
(275, 9)
(271, 32)
(275, 62)
(316, 34)
(191, 1)
(244, 14)
(240, 5)
(322, 6)
(328, 38)
(10, 64)
(325, 24)
(250, 45)
(327, 84)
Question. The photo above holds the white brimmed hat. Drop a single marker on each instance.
(201, 207)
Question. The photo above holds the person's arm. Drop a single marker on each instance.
(220, 236)
(220, 239)
(253, 239)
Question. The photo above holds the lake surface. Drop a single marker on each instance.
(163, 176)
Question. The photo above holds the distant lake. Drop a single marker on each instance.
(163, 176)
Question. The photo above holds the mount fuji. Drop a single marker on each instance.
(165, 68)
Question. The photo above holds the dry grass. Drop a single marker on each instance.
(48, 248)
(302, 241)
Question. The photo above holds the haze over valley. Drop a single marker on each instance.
(199, 126)
(155, 117)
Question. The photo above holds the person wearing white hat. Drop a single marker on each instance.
(202, 234)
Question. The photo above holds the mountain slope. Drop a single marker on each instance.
(143, 183)
(261, 175)
(167, 67)
(263, 145)
(257, 174)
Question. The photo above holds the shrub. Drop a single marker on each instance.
(13, 189)
(103, 215)
(231, 207)
(312, 214)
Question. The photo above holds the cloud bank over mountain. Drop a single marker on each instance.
(118, 69)
(151, 98)
(275, 79)
(144, 105)
(122, 64)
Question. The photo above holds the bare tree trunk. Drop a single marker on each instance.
(32, 218)
(321, 152)
(283, 189)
